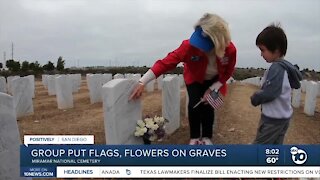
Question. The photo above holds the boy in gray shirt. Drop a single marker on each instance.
(277, 82)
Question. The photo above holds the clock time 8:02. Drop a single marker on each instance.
(272, 151)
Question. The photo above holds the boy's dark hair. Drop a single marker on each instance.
(273, 38)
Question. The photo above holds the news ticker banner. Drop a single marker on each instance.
(175, 172)
(96, 160)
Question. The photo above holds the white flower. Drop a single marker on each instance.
(149, 124)
(154, 127)
(150, 127)
(148, 120)
(161, 119)
(158, 119)
(140, 131)
(137, 134)
(141, 123)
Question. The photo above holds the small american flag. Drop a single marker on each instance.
(214, 99)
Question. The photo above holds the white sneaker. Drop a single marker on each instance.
(195, 141)
(206, 141)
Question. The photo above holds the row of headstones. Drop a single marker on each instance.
(23, 90)
(150, 86)
(64, 85)
(96, 81)
(49, 82)
(305, 83)
(256, 81)
(311, 88)
(9, 139)
(7, 87)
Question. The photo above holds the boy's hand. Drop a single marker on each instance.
(254, 100)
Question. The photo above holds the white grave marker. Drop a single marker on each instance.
(120, 115)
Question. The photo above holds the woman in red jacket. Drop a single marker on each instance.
(209, 58)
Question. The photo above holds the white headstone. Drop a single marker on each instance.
(31, 85)
(303, 85)
(3, 84)
(128, 76)
(75, 80)
(51, 80)
(106, 78)
(159, 82)
(118, 76)
(181, 80)
(9, 140)
(78, 80)
(231, 80)
(94, 82)
(22, 96)
(171, 102)
(150, 86)
(168, 75)
(319, 89)
(136, 77)
(44, 79)
(64, 92)
(311, 98)
(296, 97)
(9, 81)
(256, 81)
(120, 115)
(72, 79)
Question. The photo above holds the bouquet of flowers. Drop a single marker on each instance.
(151, 129)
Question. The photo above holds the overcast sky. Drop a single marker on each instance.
(139, 32)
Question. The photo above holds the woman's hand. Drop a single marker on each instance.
(137, 92)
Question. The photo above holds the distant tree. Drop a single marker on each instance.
(35, 66)
(1, 66)
(25, 66)
(31, 66)
(49, 66)
(60, 64)
(13, 65)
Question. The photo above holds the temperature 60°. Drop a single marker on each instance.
(272, 160)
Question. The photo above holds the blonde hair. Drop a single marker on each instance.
(218, 30)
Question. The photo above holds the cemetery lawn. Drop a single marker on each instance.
(236, 122)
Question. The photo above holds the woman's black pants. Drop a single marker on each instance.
(200, 118)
